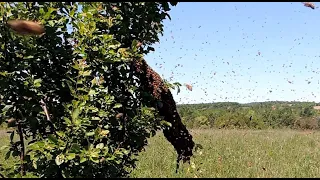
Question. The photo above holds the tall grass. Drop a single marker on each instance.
(238, 153)
(230, 153)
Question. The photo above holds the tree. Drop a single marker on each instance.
(78, 96)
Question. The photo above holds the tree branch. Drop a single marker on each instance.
(45, 109)
(22, 154)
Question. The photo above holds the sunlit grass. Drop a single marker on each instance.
(4, 140)
(238, 153)
(230, 153)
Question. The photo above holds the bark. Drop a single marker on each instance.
(22, 150)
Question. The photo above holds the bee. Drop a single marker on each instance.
(189, 87)
(11, 122)
(309, 4)
(119, 115)
(25, 27)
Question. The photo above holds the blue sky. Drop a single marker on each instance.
(218, 46)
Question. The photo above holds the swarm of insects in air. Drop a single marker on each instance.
(25, 27)
(309, 4)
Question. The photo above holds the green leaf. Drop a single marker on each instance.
(103, 113)
(83, 90)
(61, 133)
(28, 57)
(86, 73)
(80, 81)
(134, 44)
(90, 133)
(117, 105)
(94, 159)
(51, 23)
(49, 157)
(75, 148)
(112, 158)
(95, 118)
(41, 11)
(94, 109)
(109, 21)
(71, 156)
(67, 121)
(104, 132)
(118, 161)
(92, 92)
(108, 99)
(53, 139)
(81, 26)
(94, 154)
(100, 146)
(6, 108)
(75, 113)
(49, 12)
(83, 159)
(125, 151)
(166, 123)
(106, 149)
(37, 82)
(35, 164)
(71, 14)
(4, 73)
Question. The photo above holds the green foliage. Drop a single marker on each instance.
(96, 120)
(307, 111)
(141, 21)
(298, 115)
(201, 121)
(172, 85)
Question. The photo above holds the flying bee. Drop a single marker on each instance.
(25, 27)
(189, 87)
(309, 4)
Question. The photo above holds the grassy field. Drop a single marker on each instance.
(232, 153)
(238, 153)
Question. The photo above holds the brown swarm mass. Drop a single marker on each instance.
(177, 134)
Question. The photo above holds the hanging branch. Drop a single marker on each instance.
(45, 109)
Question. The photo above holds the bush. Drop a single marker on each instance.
(257, 116)
(307, 123)
(201, 122)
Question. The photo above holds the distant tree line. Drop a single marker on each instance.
(258, 115)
